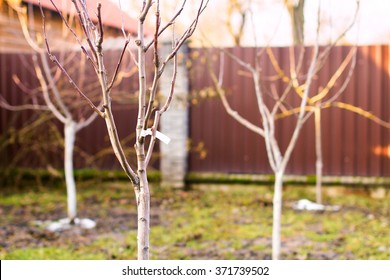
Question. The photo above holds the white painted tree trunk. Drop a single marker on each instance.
(70, 135)
(277, 214)
(319, 161)
(143, 207)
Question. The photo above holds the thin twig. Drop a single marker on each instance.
(45, 90)
(73, 33)
(4, 104)
(145, 11)
(52, 84)
(171, 22)
(172, 88)
(190, 30)
(114, 77)
(163, 109)
(85, 30)
(122, 20)
(156, 60)
(54, 59)
(100, 22)
(234, 114)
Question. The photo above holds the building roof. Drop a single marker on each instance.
(111, 13)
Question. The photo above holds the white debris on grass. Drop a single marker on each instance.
(384, 249)
(64, 224)
(87, 223)
(305, 204)
(59, 225)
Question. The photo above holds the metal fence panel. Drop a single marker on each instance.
(352, 145)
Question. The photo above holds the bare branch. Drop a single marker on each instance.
(145, 10)
(172, 88)
(190, 30)
(54, 59)
(23, 21)
(45, 91)
(71, 30)
(122, 20)
(115, 76)
(290, 81)
(359, 111)
(229, 110)
(334, 79)
(24, 88)
(299, 124)
(161, 111)
(236, 6)
(100, 24)
(239, 61)
(86, 25)
(4, 104)
(324, 55)
(52, 85)
(84, 123)
(156, 60)
(272, 148)
(170, 23)
(341, 105)
(107, 110)
(79, 91)
(346, 81)
(324, 92)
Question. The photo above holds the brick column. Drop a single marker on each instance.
(174, 122)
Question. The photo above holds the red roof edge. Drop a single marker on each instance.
(112, 15)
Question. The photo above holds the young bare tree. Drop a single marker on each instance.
(147, 106)
(323, 99)
(299, 81)
(318, 103)
(237, 8)
(297, 17)
(53, 95)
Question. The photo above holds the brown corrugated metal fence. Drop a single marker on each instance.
(352, 145)
(92, 144)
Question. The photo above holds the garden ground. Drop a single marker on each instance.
(205, 222)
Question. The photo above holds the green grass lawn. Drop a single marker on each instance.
(206, 222)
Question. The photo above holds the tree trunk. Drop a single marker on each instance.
(143, 207)
(319, 161)
(297, 17)
(70, 135)
(277, 214)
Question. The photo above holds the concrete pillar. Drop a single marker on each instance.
(174, 122)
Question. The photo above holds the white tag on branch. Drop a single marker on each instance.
(160, 136)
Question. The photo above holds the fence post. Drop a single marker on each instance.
(174, 122)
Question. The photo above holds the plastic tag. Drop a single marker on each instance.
(160, 136)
